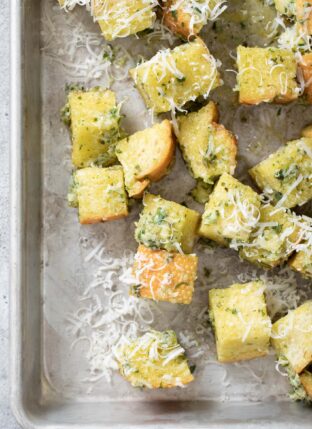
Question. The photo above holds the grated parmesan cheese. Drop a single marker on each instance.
(66, 43)
(69, 5)
(107, 316)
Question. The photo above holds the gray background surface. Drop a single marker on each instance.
(7, 421)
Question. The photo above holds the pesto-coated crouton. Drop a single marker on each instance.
(187, 17)
(266, 75)
(146, 156)
(240, 320)
(121, 18)
(164, 276)
(292, 337)
(94, 119)
(231, 212)
(274, 238)
(155, 360)
(99, 194)
(166, 225)
(208, 148)
(286, 175)
(173, 77)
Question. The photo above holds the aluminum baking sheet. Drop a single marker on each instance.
(68, 282)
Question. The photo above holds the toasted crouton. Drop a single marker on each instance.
(292, 337)
(298, 9)
(304, 15)
(307, 131)
(208, 148)
(155, 360)
(240, 320)
(231, 212)
(285, 176)
(122, 18)
(94, 120)
(146, 156)
(164, 276)
(273, 240)
(305, 66)
(166, 225)
(100, 194)
(178, 20)
(302, 262)
(173, 77)
(306, 381)
(187, 18)
(266, 75)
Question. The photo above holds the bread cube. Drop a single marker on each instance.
(274, 238)
(166, 225)
(208, 148)
(94, 120)
(292, 337)
(306, 381)
(121, 18)
(231, 212)
(298, 9)
(266, 75)
(100, 194)
(304, 15)
(187, 18)
(164, 276)
(146, 156)
(302, 262)
(305, 68)
(173, 77)
(286, 175)
(240, 320)
(155, 360)
(307, 131)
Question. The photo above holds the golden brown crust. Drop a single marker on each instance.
(307, 132)
(306, 381)
(278, 100)
(304, 15)
(165, 276)
(93, 220)
(138, 188)
(160, 168)
(146, 156)
(228, 134)
(305, 66)
(177, 22)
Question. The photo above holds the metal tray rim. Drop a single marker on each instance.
(15, 216)
(24, 415)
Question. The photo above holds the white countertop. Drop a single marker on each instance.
(7, 421)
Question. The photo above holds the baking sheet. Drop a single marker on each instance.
(74, 256)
